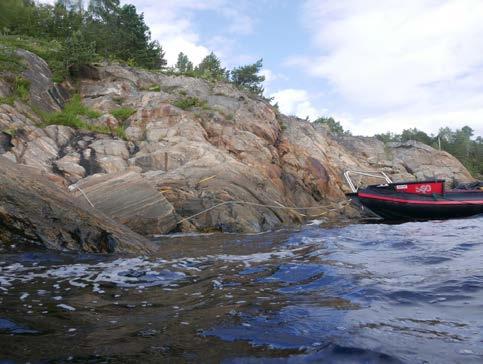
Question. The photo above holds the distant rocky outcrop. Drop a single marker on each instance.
(194, 146)
(407, 160)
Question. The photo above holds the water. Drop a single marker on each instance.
(355, 294)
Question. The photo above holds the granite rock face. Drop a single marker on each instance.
(232, 155)
(44, 94)
(34, 210)
(129, 199)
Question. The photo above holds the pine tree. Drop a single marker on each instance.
(210, 68)
(183, 64)
(77, 51)
(334, 126)
(247, 77)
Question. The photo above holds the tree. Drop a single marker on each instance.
(72, 5)
(334, 126)
(121, 33)
(77, 51)
(12, 14)
(247, 77)
(415, 134)
(183, 64)
(103, 9)
(388, 137)
(210, 68)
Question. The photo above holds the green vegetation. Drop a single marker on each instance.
(68, 36)
(20, 87)
(184, 65)
(210, 68)
(459, 143)
(189, 102)
(72, 114)
(11, 131)
(48, 50)
(123, 113)
(246, 77)
(154, 88)
(120, 132)
(9, 61)
(334, 126)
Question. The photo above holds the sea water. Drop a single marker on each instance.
(367, 293)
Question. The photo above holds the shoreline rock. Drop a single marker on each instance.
(34, 210)
(231, 148)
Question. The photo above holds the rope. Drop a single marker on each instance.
(280, 206)
(74, 187)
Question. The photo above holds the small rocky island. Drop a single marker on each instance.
(161, 148)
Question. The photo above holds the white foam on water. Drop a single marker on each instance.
(316, 222)
(66, 307)
(256, 257)
(130, 272)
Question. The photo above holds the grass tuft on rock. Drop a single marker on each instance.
(123, 113)
(21, 88)
(189, 102)
(9, 61)
(120, 132)
(21, 91)
(72, 114)
(154, 88)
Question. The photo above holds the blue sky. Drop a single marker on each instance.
(374, 65)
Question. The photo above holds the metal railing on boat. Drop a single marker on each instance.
(380, 174)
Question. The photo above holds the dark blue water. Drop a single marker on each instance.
(375, 293)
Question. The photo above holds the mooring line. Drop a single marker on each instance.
(280, 206)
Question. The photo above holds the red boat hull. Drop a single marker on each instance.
(389, 203)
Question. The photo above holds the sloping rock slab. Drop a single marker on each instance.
(33, 210)
(44, 94)
(128, 198)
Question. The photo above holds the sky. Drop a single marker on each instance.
(375, 66)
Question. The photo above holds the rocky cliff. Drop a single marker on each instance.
(192, 145)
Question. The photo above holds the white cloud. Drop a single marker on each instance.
(270, 77)
(239, 23)
(171, 23)
(296, 102)
(429, 122)
(416, 61)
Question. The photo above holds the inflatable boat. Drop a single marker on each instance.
(419, 200)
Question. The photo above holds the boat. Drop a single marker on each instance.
(416, 200)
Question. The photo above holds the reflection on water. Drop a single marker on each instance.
(355, 294)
